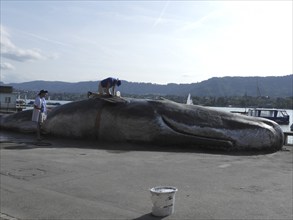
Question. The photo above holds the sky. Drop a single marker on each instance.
(144, 41)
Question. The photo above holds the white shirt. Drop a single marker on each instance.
(41, 109)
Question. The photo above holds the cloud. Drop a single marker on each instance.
(14, 77)
(12, 52)
(6, 66)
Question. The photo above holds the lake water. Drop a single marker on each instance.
(49, 101)
(30, 102)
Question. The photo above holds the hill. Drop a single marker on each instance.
(280, 86)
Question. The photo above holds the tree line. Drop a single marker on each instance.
(231, 101)
(280, 86)
(224, 101)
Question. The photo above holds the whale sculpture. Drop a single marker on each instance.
(159, 122)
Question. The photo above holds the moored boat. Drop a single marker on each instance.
(278, 115)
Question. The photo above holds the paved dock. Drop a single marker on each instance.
(59, 179)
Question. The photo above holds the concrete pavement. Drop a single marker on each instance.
(62, 179)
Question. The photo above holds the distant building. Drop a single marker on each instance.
(8, 99)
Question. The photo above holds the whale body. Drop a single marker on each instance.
(159, 122)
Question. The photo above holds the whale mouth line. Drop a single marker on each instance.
(207, 141)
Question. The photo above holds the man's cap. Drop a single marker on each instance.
(43, 91)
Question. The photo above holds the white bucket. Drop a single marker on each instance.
(163, 199)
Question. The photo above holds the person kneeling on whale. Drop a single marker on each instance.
(108, 84)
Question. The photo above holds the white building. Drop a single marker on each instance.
(7, 99)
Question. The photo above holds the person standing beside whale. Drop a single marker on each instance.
(40, 111)
(108, 84)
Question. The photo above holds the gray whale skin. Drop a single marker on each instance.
(158, 122)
